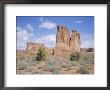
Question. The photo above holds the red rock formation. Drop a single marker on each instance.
(87, 49)
(32, 48)
(62, 37)
(90, 50)
(65, 41)
(75, 42)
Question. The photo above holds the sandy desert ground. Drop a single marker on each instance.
(56, 65)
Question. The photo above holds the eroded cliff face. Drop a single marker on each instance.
(66, 41)
(75, 41)
(32, 48)
(62, 37)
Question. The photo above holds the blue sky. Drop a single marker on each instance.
(42, 29)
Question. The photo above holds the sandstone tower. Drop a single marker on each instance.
(62, 37)
(75, 42)
(66, 41)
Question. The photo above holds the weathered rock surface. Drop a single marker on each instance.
(66, 41)
(62, 37)
(75, 40)
(32, 48)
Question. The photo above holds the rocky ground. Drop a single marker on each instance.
(56, 65)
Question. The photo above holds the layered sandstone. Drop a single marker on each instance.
(75, 42)
(66, 41)
(32, 48)
(62, 37)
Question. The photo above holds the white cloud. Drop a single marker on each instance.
(18, 29)
(48, 25)
(29, 27)
(87, 41)
(48, 40)
(22, 37)
(78, 21)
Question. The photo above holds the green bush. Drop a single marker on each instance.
(74, 56)
(84, 70)
(41, 55)
(33, 58)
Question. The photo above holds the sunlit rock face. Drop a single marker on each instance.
(66, 41)
(75, 42)
(33, 47)
(62, 37)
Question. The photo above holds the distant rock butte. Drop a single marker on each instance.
(66, 43)
(87, 49)
(33, 47)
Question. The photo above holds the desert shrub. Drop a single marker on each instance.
(36, 72)
(21, 63)
(74, 56)
(55, 65)
(74, 63)
(67, 64)
(51, 65)
(82, 62)
(91, 61)
(88, 58)
(51, 68)
(33, 58)
(28, 60)
(21, 59)
(21, 66)
(56, 71)
(41, 55)
(83, 70)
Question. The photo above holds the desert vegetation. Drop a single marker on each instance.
(41, 55)
(76, 63)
